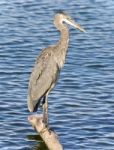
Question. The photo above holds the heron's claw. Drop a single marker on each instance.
(45, 121)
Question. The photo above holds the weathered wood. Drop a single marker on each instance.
(49, 137)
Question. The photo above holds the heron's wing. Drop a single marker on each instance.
(43, 76)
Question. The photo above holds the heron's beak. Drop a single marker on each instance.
(74, 24)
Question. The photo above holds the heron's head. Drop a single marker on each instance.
(64, 18)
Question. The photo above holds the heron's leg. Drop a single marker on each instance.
(45, 110)
(45, 107)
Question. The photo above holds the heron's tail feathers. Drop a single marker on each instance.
(33, 105)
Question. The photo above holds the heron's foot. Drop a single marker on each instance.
(45, 121)
(45, 129)
(46, 125)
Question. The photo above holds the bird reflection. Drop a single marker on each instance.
(40, 145)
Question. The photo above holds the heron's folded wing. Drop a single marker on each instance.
(43, 75)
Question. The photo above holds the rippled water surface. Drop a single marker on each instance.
(82, 104)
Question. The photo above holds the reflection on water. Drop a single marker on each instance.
(39, 142)
(81, 106)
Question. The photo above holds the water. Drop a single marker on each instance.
(82, 104)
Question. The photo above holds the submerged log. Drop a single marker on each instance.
(49, 137)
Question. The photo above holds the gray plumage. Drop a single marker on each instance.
(48, 65)
(43, 77)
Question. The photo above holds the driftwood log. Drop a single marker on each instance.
(49, 137)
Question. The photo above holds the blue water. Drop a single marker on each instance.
(81, 107)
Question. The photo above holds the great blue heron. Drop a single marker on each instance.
(48, 65)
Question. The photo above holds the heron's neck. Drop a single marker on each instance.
(62, 45)
(64, 38)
